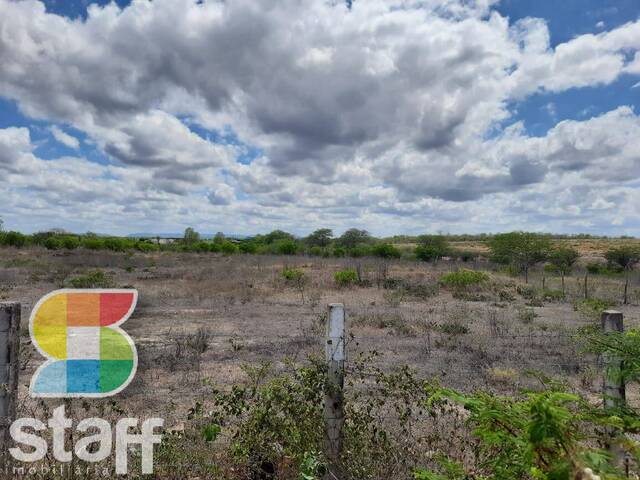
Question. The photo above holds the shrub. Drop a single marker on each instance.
(286, 247)
(339, 252)
(432, 247)
(277, 421)
(385, 250)
(94, 279)
(526, 315)
(592, 307)
(360, 251)
(53, 243)
(463, 279)
(248, 247)
(553, 295)
(93, 243)
(146, 246)
(465, 255)
(292, 274)
(116, 244)
(228, 248)
(624, 257)
(528, 292)
(454, 328)
(345, 278)
(284, 416)
(316, 251)
(70, 243)
(595, 268)
(13, 239)
(535, 436)
(502, 374)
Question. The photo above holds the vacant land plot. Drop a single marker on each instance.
(204, 321)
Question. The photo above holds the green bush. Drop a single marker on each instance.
(70, 243)
(385, 250)
(286, 247)
(592, 307)
(432, 247)
(228, 248)
(339, 252)
(13, 239)
(316, 251)
(463, 279)
(542, 436)
(553, 295)
(603, 269)
(248, 247)
(345, 278)
(293, 274)
(146, 246)
(464, 255)
(94, 279)
(278, 419)
(359, 251)
(53, 243)
(116, 244)
(93, 243)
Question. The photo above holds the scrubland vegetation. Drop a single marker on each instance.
(462, 364)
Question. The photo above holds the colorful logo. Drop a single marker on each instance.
(88, 354)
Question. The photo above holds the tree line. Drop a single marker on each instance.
(520, 251)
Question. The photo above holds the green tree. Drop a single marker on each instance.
(520, 249)
(432, 247)
(563, 258)
(626, 257)
(13, 239)
(191, 236)
(385, 250)
(353, 237)
(276, 236)
(286, 247)
(320, 238)
(219, 237)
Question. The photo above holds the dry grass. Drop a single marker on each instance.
(201, 317)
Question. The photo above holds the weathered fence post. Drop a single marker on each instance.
(613, 389)
(586, 285)
(9, 367)
(334, 396)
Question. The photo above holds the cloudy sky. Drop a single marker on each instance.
(398, 116)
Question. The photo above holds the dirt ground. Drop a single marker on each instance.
(247, 313)
(201, 317)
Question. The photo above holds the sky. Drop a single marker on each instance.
(396, 116)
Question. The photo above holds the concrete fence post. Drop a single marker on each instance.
(334, 395)
(9, 367)
(613, 388)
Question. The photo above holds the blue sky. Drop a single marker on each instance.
(154, 116)
(566, 20)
